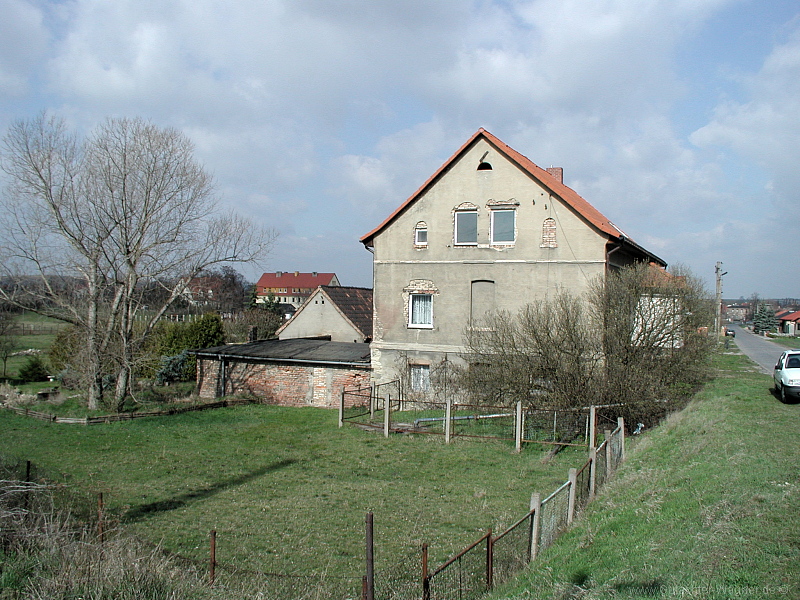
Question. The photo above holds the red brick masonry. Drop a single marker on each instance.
(283, 384)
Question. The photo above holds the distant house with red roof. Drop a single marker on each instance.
(291, 287)
(789, 323)
(489, 230)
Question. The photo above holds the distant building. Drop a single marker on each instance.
(291, 287)
(338, 313)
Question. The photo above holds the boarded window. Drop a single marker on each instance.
(549, 234)
(481, 301)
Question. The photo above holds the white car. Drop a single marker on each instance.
(787, 376)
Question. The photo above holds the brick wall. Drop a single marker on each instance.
(284, 384)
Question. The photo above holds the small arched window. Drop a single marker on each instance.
(484, 166)
(421, 234)
(549, 233)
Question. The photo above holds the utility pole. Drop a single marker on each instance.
(718, 314)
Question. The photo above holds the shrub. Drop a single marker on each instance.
(34, 369)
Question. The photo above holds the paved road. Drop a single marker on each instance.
(764, 352)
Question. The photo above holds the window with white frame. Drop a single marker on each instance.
(420, 376)
(420, 310)
(421, 234)
(503, 223)
(466, 228)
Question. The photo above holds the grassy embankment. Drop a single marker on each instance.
(706, 506)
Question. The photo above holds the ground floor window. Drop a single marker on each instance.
(420, 377)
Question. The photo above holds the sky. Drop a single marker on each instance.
(677, 119)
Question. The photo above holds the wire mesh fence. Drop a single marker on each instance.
(554, 515)
(511, 550)
(402, 579)
(463, 577)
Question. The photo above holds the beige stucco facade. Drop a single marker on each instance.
(553, 247)
(319, 317)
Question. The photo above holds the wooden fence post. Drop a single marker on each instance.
(592, 471)
(621, 425)
(341, 409)
(592, 426)
(518, 427)
(536, 509)
(387, 419)
(573, 484)
(609, 456)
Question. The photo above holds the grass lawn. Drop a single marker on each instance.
(789, 342)
(285, 489)
(706, 507)
(45, 333)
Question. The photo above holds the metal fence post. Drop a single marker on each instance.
(536, 509)
(212, 567)
(100, 532)
(592, 471)
(426, 582)
(489, 559)
(573, 485)
(592, 426)
(373, 399)
(341, 409)
(448, 423)
(370, 559)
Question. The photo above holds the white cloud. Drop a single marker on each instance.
(23, 41)
(322, 116)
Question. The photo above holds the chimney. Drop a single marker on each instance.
(278, 273)
(297, 273)
(313, 273)
(557, 172)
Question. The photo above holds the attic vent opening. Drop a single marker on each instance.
(484, 166)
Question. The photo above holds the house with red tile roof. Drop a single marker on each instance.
(337, 313)
(291, 287)
(789, 323)
(488, 231)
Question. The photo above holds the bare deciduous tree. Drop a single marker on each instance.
(91, 224)
(638, 336)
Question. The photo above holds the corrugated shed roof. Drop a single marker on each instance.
(355, 303)
(294, 350)
(569, 196)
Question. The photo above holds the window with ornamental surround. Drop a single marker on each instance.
(420, 311)
(503, 225)
(466, 227)
(549, 233)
